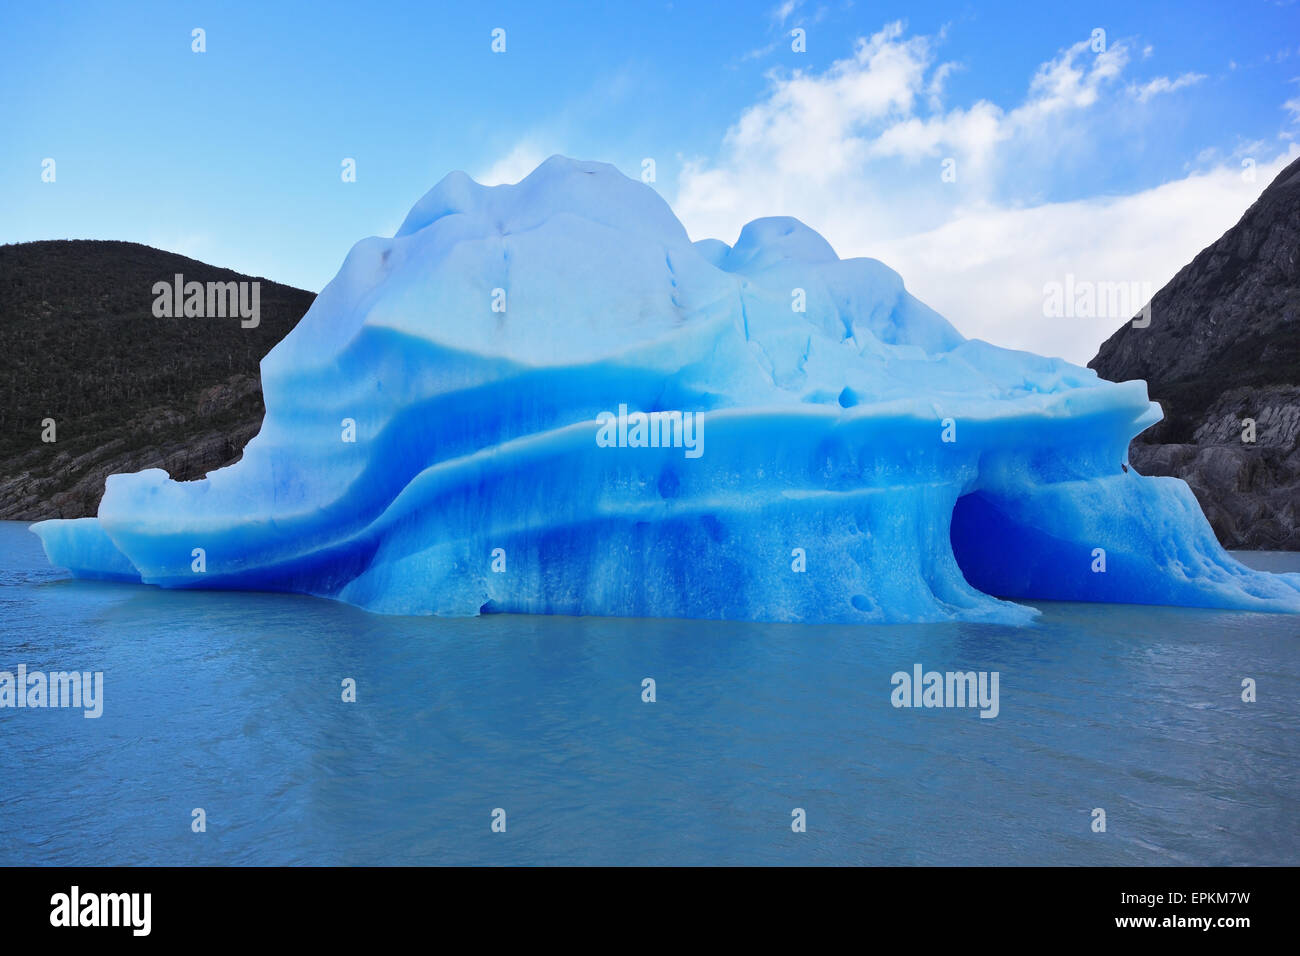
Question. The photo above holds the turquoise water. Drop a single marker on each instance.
(232, 703)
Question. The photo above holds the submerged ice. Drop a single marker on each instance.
(497, 410)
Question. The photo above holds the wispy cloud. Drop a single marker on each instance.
(859, 151)
(1162, 84)
(783, 11)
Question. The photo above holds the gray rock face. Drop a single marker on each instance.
(63, 484)
(1222, 356)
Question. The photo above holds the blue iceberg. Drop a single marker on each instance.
(545, 398)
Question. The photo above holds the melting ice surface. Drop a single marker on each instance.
(861, 461)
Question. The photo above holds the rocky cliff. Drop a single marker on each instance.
(1222, 356)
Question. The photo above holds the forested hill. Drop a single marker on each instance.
(80, 345)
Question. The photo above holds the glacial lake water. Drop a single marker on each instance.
(232, 702)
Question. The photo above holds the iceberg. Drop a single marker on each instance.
(545, 398)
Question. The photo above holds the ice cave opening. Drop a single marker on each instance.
(980, 535)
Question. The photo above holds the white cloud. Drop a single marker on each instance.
(939, 77)
(1162, 84)
(781, 12)
(986, 269)
(1074, 79)
(855, 138)
(856, 152)
(514, 166)
(758, 53)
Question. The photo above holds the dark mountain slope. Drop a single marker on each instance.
(79, 344)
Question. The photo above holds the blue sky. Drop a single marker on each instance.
(1115, 161)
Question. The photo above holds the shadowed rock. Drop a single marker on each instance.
(1223, 346)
